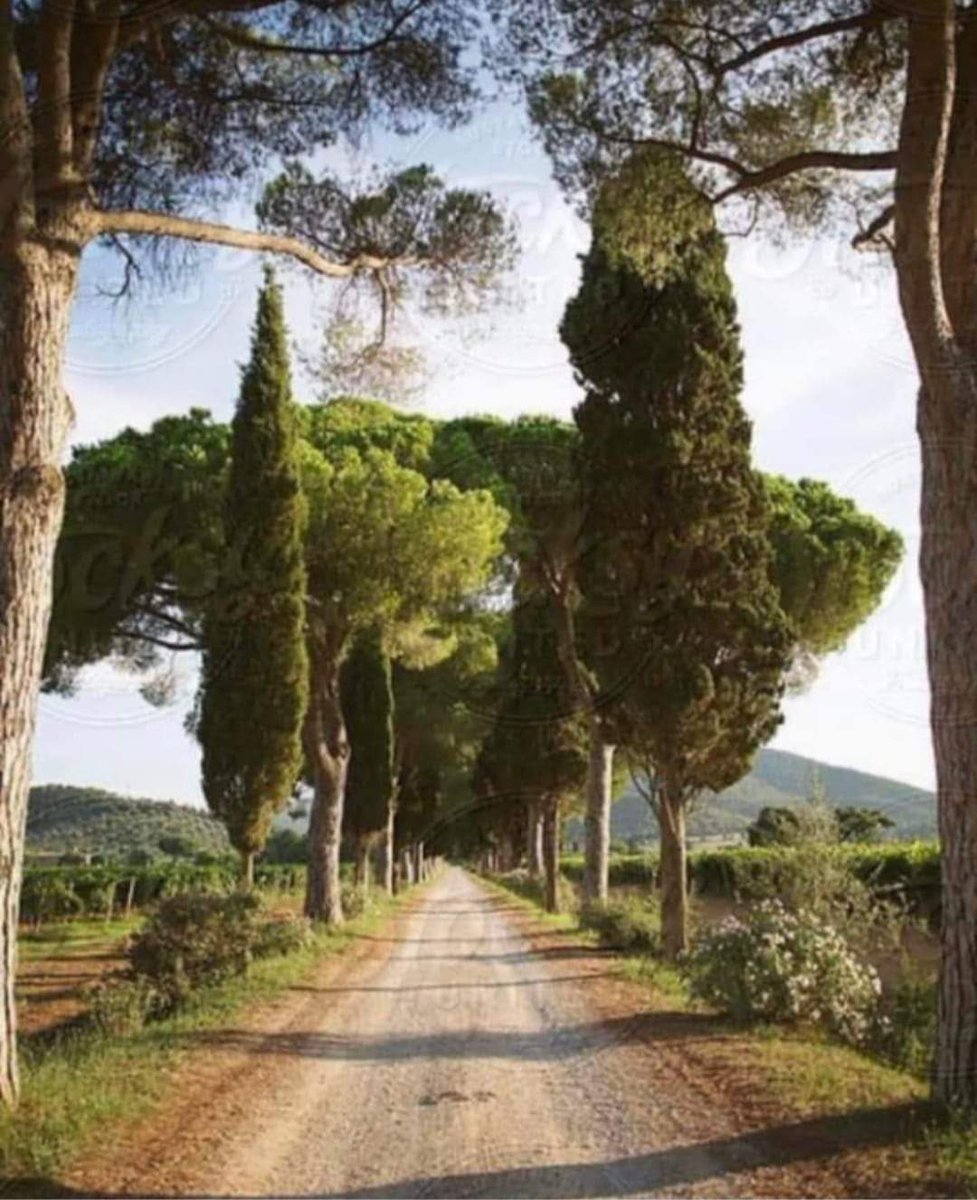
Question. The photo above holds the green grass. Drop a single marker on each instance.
(70, 938)
(82, 1082)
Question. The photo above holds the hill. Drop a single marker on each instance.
(784, 780)
(62, 819)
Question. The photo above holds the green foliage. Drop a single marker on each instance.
(286, 846)
(281, 936)
(831, 563)
(675, 513)
(905, 1031)
(733, 87)
(47, 896)
(906, 875)
(385, 546)
(775, 827)
(120, 1007)
(453, 244)
(861, 824)
(367, 697)
(536, 750)
(90, 820)
(51, 893)
(194, 941)
(778, 965)
(632, 926)
(254, 680)
(143, 520)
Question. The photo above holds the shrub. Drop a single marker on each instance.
(47, 896)
(355, 899)
(282, 935)
(123, 1006)
(785, 967)
(194, 940)
(633, 926)
(905, 1031)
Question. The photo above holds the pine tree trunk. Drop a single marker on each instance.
(419, 863)
(948, 432)
(551, 854)
(388, 851)
(362, 866)
(672, 873)
(37, 286)
(534, 840)
(327, 751)
(935, 237)
(406, 867)
(247, 870)
(597, 817)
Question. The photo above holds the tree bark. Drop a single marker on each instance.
(597, 817)
(362, 867)
(388, 851)
(419, 862)
(327, 752)
(406, 867)
(600, 764)
(247, 870)
(935, 211)
(551, 854)
(672, 872)
(37, 286)
(534, 840)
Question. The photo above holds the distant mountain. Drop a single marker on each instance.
(62, 819)
(783, 780)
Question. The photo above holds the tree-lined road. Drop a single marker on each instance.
(454, 1058)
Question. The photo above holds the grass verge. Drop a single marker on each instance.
(81, 1081)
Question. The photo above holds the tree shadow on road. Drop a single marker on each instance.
(560, 1043)
(677, 1167)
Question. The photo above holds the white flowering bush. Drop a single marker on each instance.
(783, 966)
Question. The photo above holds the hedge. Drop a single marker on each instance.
(908, 871)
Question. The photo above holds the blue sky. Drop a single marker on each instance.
(830, 387)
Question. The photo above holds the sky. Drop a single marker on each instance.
(830, 387)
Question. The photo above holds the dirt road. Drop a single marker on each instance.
(455, 1059)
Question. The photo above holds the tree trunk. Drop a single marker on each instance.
(362, 867)
(672, 872)
(406, 867)
(551, 854)
(597, 817)
(935, 217)
(37, 286)
(327, 751)
(534, 840)
(247, 870)
(419, 863)
(388, 851)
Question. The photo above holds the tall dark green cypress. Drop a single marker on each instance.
(367, 694)
(254, 683)
(677, 519)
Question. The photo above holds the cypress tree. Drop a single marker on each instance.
(677, 519)
(255, 673)
(366, 689)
